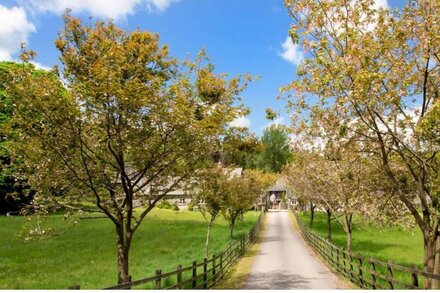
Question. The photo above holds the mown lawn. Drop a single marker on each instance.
(85, 255)
(401, 246)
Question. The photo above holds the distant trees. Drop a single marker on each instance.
(219, 190)
(375, 72)
(240, 147)
(127, 126)
(209, 192)
(15, 194)
(242, 193)
(276, 152)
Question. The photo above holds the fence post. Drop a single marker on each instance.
(361, 277)
(242, 245)
(213, 268)
(338, 261)
(390, 270)
(205, 269)
(373, 273)
(194, 275)
(351, 266)
(414, 276)
(221, 264)
(129, 280)
(179, 277)
(158, 279)
(332, 258)
(344, 263)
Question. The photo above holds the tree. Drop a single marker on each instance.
(241, 193)
(240, 148)
(276, 151)
(381, 68)
(331, 170)
(128, 126)
(209, 191)
(15, 194)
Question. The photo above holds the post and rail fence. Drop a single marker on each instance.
(366, 272)
(200, 275)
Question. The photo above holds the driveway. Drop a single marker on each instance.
(286, 262)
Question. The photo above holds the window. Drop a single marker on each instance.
(182, 200)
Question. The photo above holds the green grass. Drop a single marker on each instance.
(401, 246)
(85, 255)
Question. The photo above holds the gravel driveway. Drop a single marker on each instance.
(286, 262)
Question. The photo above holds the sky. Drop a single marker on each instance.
(240, 36)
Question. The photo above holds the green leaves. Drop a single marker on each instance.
(276, 152)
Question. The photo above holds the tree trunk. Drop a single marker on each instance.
(312, 213)
(329, 224)
(123, 243)
(348, 231)
(231, 227)
(431, 259)
(208, 234)
(349, 240)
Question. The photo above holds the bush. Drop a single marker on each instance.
(164, 205)
(190, 207)
(175, 207)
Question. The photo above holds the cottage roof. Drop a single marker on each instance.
(278, 186)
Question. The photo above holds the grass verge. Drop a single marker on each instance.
(401, 246)
(238, 275)
(86, 254)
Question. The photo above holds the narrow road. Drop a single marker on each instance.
(285, 261)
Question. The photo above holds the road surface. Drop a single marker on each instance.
(285, 261)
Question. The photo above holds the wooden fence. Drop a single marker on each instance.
(200, 275)
(366, 272)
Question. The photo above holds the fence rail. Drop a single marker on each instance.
(366, 272)
(200, 275)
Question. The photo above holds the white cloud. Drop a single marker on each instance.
(277, 121)
(114, 9)
(14, 30)
(241, 122)
(292, 53)
(38, 65)
(381, 4)
(160, 5)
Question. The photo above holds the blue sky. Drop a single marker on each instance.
(239, 35)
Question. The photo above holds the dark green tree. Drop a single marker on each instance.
(240, 148)
(14, 191)
(276, 152)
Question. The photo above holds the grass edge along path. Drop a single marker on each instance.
(238, 274)
(356, 267)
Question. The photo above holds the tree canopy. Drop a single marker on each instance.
(121, 126)
(276, 150)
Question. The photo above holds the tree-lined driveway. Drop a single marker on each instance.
(285, 261)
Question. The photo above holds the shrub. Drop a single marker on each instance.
(164, 205)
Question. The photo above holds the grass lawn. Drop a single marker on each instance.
(401, 246)
(85, 255)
